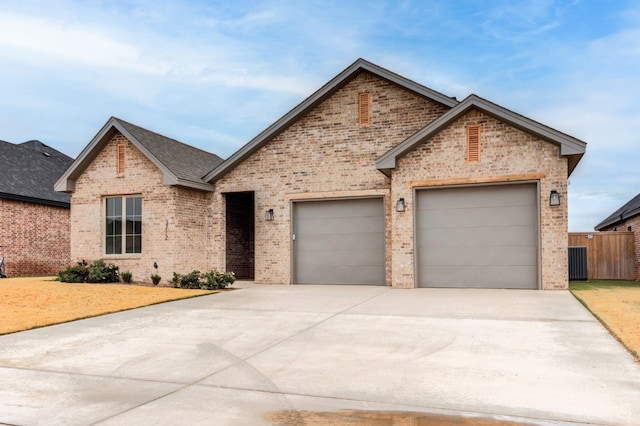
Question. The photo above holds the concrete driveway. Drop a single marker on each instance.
(246, 356)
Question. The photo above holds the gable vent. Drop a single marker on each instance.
(364, 109)
(473, 143)
(120, 159)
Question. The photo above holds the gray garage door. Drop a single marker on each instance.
(482, 237)
(339, 242)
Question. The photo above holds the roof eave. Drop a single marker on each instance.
(54, 203)
(569, 146)
(67, 182)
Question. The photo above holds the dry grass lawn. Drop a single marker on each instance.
(617, 305)
(35, 302)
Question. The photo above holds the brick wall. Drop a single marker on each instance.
(506, 152)
(174, 219)
(35, 238)
(325, 154)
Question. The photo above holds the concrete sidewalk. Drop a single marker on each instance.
(245, 356)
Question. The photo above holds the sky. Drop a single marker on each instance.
(214, 74)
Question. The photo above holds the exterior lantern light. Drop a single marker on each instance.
(554, 198)
(268, 216)
(400, 206)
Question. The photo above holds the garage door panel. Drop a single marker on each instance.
(343, 225)
(469, 218)
(489, 236)
(343, 275)
(339, 242)
(333, 258)
(478, 277)
(480, 197)
(477, 236)
(351, 241)
(466, 256)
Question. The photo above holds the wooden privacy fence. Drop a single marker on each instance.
(610, 255)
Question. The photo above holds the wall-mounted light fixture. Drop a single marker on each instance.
(400, 206)
(268, 216)
(554, 198)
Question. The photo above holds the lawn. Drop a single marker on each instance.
(616, 303)
(36, 302)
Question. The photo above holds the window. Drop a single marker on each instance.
(364, 109)
(473, 143)
(120, 160)
(128, 238)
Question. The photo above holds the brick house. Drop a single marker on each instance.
(374, 179)
(626, 218)
(34, 238)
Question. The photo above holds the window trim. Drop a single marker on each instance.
(123, 225)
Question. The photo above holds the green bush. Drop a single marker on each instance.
(155, 279)
(211, 280)
(98, 272)
(216, 280)
(127, 276)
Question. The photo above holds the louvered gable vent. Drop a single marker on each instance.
(120, 159)
(364, 108)
(473, 143)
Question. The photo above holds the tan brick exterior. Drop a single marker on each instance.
(505, 152)
(174, 219)
(634, 223)
(325, 154)
(35, 238)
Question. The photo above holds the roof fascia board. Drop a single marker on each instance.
(320, 95)
(569, 145)
(66, 182)
(15, 197)
(621, 218)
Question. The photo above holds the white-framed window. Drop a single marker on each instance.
(123, 225)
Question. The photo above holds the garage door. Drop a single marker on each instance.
(339, 242)
(482, 237)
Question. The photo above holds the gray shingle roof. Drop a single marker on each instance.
(184, 161)
(629, 210)
(29, 170)
(181, 164)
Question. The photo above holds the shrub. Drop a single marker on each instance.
(127, 276)
(155, 279)
(211, 280)
(98, 272)
(74, 274)
(191, 280)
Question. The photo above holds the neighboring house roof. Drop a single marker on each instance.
(181, 164)
(29, 170)
(319, 96)
(629, 210)
(569, 146)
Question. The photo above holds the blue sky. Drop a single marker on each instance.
(215, 73)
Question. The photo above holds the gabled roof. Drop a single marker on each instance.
(29, 171)
(319, 96)
(629, 210)
(180, 164)
(569, 146)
